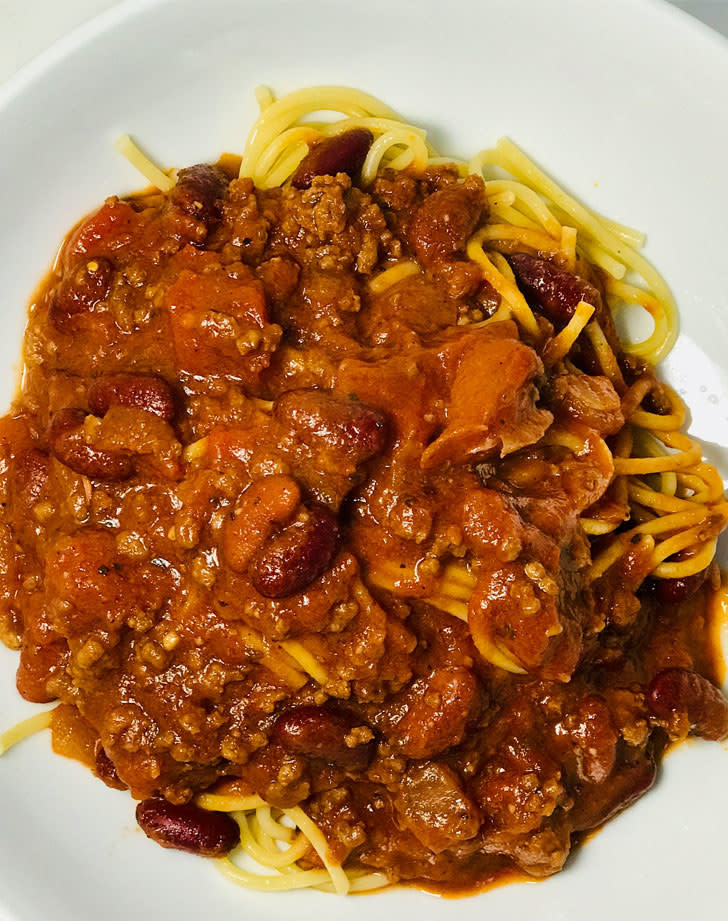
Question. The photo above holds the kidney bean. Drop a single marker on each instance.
(188, 827)
(680, 690)
(300, 553)
(343, 153)
(621, 789)
(68, 444)
(199, 190)
(442, 224)
(106, 770)
(555, 292)
(80, 293)
(328, 734)
(671, 591)
(354, 431)
(143, 391)
(264, 506)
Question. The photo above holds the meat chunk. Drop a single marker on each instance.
(395, 190)
(550, 494)
(431, 715)
(142, 435)
(381, 384)
(591, 738)
(414, 304)
(519, 786)
(105, 232)
(220, 325)
(525, 618)
(43, 655)
(98, 587)
(442, 224)
(322, 310)
(30, 484)
(243, 219)
(329, 439)
(279, 276)
(590, 400)
(431, 802)
(492, 402)
(492, 526)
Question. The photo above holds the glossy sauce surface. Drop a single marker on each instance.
(240, 486)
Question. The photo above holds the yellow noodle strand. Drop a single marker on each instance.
(562, 343)
(393, 275)
(339, 878)
(507, 289)
(24, 729)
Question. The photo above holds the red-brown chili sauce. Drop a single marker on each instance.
(225, 442)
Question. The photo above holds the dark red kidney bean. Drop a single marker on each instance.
(351, 429)
(681, 690)
(442, 224)
(80, 292)
(297, 555)
(143, 391)
(553, 291)
(199, 190)
(600, 802)
(343, 153)
(188, 828)
(322, 732)
(106, 770)
(67, 443)
(671, 591)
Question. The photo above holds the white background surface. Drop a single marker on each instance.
(27, 27)
(75, 855)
